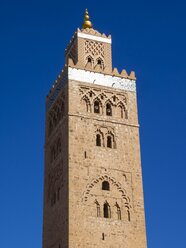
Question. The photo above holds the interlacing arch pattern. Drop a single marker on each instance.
(94, 52)
(94, 48)
(112, 181)
(106, 103)
(56, 113)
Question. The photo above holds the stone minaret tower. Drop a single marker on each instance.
(93, 194)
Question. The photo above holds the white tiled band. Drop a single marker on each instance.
(93, 37)
(101, 79)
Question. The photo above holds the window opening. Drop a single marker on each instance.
(108, 109)
(105, 185)
(99, 61)
(109, 141)
(96, 107)
(106, 210)
(98, 140)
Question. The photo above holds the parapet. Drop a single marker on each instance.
(122, 74)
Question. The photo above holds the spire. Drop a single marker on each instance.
(87, 23)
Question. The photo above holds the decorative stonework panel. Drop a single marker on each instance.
(106, 198)
(109, 104)
(94, 48)
(56, 113)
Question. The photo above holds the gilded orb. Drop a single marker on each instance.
(87, 23)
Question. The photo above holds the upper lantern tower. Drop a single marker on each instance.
(93, 194)
(89, 49)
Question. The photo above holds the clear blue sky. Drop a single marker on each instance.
(148, 37)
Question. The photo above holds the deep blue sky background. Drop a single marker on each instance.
(148, 37)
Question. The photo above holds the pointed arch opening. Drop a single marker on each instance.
(108, 109)
(98, 139)
(89, 61)
(97, 107)
(109, 141)
(100, 63)
(106, 210)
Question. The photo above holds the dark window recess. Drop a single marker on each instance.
(98, 140)
(99, 61)
(105, 185)
(106, 210)
(85, 154)
(109, 141)
(89, 60)
(108, 109)
(96, 107)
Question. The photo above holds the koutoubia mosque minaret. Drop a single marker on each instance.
(93, 193)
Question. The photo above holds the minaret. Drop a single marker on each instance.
(93, 195)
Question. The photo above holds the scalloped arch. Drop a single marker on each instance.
(112, 180)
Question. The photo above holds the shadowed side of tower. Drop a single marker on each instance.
(93, 195)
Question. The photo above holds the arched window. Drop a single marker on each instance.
(100, 63)
(108, 109)
(106, 210)
(105, 185)
(89, 60)
(96, 107)
(109, 141)
(98, 140)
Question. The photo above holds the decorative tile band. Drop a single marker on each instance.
(101, 79)
(93, 37)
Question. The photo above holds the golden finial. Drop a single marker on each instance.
(87, 23)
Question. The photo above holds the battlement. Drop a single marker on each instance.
(123, 80)
(115, 72)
